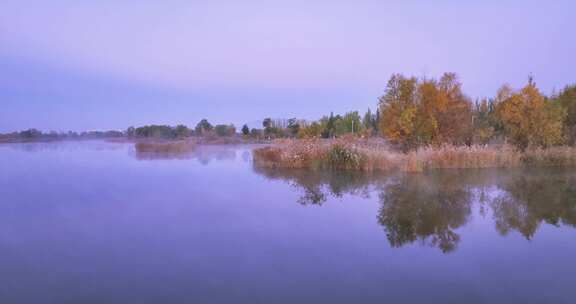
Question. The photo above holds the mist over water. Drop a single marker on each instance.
(98, 222)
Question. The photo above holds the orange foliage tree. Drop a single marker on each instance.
(426, 112)
(398, 110)
(529, 118)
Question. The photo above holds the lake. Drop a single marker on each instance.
(98, 222)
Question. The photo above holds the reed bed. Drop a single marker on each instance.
(348, 154)
(340, 154)
(461, 157)
(551, 157)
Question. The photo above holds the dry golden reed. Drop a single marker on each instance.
(365, 155)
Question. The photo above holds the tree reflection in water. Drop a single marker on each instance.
(527, 200)
(429, 208)
(317, 186)
(426, 208)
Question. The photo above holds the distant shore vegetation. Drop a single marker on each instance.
(31, 135)
(413, 117)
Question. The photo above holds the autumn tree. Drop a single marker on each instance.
(529, 118)
(567, 99)
(398, 110)
(426, 125)
(453, 111)
(425, 112)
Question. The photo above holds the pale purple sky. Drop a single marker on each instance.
(111, 63)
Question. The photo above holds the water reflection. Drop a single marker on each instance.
(430, 208)
(207, 154)
(425, 208)
(140, 155)
(67, 145)
(531, 199)
(204, 154)
(317, 186)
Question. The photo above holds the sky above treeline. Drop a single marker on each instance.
(109, 64)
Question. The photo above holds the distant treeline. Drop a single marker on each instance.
(412, 113)
(203, 128)
(37, 135)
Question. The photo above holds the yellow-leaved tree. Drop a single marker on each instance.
(454, 111)
(398, 110)
(529, 118)
(427, 112)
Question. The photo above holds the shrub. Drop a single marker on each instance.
(341, 157)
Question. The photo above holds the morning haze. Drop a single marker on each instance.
(70, 65)
(177, 152)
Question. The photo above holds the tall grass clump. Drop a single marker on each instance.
(270, 157)
(296, 154)
(344, 158)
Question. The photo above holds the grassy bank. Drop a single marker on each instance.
(351, 154)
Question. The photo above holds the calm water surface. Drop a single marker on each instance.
(97, 222)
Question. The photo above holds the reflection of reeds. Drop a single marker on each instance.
(165, 147)
(164, 150)
(357, 155)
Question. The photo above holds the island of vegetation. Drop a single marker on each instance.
(424, 124)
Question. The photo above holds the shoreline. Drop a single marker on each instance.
(195, 140)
